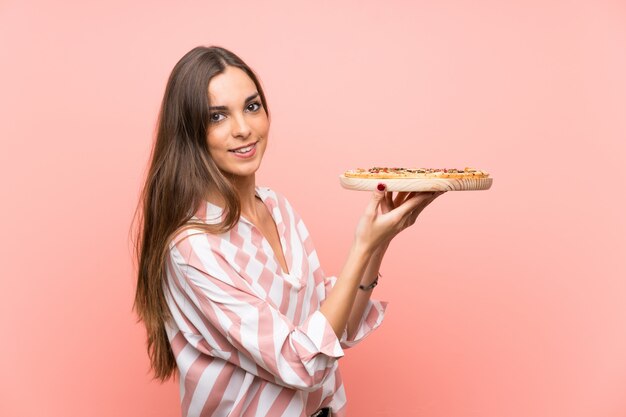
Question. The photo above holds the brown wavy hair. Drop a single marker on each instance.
(180, 172)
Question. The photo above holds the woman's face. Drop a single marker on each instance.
(237, 120)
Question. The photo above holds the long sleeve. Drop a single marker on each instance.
(374, 311)
(218, 312)
(372, 317)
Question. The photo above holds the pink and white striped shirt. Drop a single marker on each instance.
(249, 339)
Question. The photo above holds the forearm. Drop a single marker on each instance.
(363, 296)
(338, 305)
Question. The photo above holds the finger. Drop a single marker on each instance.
(424, 196)
(409, 196)
(420, 201)
(388, 202)
(413, 216)
(400, 197)
(434, 196)
(377, 196)
(423, 199)
(407, 206)
(427, 202)
(431, 195)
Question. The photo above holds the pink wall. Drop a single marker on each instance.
(509, 302)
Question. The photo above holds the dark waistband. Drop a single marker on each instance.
(322, 412)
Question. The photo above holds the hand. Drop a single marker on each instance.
(386, 216)
(389, 203)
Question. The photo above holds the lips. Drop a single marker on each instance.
(244, 146)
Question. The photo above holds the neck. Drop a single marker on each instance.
(245, 189)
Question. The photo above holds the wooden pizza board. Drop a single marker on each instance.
(417, 184)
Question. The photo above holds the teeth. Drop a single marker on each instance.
(244, 150)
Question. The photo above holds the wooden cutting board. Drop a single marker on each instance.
(417, 184)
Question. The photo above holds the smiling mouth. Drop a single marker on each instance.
(244, 149)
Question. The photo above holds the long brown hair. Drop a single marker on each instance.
(180, 172)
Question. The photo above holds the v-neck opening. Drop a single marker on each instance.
(281, 238)
(282, 241)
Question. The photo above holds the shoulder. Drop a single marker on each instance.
(188, 241)
(195, 246)
(195, 250)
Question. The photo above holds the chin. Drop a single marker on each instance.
(243, 168)
(242, 172)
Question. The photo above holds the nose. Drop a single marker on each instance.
(240, 127)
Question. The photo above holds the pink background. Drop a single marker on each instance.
(507, 302)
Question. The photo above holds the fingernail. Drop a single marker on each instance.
(381, 186)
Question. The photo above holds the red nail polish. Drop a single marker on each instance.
(381, 186)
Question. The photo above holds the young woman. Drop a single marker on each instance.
(229, 283)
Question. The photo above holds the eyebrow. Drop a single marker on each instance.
(226, 108)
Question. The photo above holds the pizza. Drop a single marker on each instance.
(415, 173)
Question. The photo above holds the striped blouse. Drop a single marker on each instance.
(249, 339)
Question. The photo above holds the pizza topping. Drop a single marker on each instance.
(400, 172)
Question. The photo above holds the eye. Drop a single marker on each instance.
(215, 119)
(254, 106)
